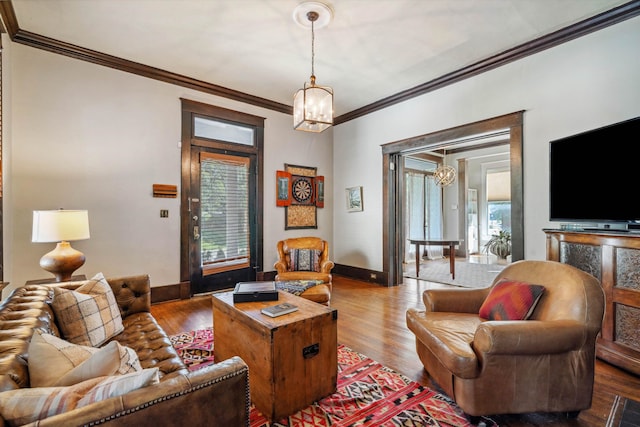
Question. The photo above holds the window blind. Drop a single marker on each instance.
(499, 186)
(224, 210)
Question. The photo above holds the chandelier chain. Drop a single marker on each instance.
(313, 50)
(313, 104)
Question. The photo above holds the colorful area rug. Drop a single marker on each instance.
(368, 394)
(194, 347)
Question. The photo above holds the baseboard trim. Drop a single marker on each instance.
(263, 276)
(170, 292)
(182, 290)
(358, 273)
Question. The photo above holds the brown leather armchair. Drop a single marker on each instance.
(320, 270)
(544, 364)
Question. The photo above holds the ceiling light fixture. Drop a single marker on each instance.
(444, 175)
(313, 104)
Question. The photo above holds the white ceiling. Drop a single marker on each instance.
(372, 49)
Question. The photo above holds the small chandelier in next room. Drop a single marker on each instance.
(313, 104)
(444, 175)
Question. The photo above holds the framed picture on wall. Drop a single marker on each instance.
(354, 199)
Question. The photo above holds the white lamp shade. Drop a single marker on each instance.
(60, 225)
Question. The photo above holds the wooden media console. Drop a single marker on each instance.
(614, 258)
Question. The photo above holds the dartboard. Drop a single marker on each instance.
(302, 190)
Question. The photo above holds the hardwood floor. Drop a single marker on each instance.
(371, 320)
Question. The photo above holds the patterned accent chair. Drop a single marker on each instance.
(543, 364)
(306, 258)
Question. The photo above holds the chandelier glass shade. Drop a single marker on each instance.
(444, 175)
(313, 107)
(313, 104)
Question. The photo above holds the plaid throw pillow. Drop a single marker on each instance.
(88, 315)
(511, 300)
(304, 260)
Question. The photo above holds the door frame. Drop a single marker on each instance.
(191, 109)
(393, 183)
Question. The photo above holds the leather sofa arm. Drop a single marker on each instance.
(454, 300)
(529, 337)
(216, 395)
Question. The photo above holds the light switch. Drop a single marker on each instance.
(164, 213)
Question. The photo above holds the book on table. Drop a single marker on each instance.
(279, 309)
(255, 291)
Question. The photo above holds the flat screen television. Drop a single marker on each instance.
(594, 176)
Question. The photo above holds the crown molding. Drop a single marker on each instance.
(605, 19)
(595, 23)
(73, 51)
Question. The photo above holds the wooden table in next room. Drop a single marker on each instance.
(452, 252)
(292, 359)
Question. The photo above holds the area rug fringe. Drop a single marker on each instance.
(368, 393)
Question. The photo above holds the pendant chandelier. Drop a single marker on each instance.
(313, 104)
(444, 175)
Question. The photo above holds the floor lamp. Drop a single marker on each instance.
(61, 226)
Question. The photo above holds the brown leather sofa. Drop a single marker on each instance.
(319, 293)
(544, 364)
(217, 395)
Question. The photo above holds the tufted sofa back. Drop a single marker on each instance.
(28, 308)
(133, 293)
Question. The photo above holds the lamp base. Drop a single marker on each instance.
(62, 261)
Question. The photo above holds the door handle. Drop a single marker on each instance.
(196, 232)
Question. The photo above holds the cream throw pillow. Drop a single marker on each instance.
(88, 315)
(26, 405)
(119, 385)
(56, 362)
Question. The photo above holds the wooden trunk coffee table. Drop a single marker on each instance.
(292, 359)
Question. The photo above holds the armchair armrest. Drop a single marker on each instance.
(326, 266)
(280, 266)
(529, 337)
(454, 300)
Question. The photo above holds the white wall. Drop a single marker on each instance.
(77, 135)
(583, 84)
(82, 136)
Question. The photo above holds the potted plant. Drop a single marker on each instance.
(499, 245)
